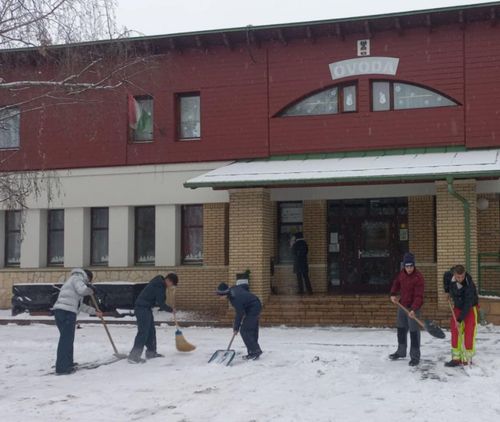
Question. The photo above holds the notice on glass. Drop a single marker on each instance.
(333, 247)
(334, 238)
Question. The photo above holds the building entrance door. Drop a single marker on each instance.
(367, 240)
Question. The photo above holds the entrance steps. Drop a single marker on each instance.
(348, 310)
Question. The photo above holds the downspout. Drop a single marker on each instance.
(466, 206)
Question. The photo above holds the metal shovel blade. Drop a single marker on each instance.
(433, 329)
(223, 357)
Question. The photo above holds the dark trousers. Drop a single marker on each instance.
(146, 332)
(66, 323)
(249, 331)
(303, 278)
(405, 324)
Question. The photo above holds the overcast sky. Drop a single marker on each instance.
(152, 17)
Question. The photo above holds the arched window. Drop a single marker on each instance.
(392, 95)
(337, 99)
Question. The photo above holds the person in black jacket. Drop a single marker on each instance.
(246, 321)
(300, 265)
(463, 293)
(154, 294)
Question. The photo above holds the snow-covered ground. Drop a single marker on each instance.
(305, 374)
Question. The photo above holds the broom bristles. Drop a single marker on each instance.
(182, 344)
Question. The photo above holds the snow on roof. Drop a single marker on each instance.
(433, 165)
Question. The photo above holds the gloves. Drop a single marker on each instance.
(166, 308)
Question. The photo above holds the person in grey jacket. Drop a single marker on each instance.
(247, 307)
(69, 303)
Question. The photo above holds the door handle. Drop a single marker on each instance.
(360, 252)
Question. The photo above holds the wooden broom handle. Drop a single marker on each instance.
(408, 312)
(173, 306)
(96, 306)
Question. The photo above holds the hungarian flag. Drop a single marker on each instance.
(139, 118)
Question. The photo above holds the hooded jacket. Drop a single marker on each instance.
(464, 295)
(299, 251)
(72, 293)
(244, 303)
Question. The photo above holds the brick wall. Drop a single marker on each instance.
(451, 230)
(421, 228)
(215, 234)
(251, 237)
(195, 290)
(315, 233)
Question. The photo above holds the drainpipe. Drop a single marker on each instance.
(466, 205)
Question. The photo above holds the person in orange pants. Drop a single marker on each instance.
(463, 293)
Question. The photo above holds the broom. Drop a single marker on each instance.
(181, 343)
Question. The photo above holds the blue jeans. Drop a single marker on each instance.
(66, 323)
(146, 332)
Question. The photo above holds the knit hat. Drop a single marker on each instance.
(409, 258)
(222, 289)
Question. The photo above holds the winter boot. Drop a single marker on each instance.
(413, 362)
(396, 356)
(152, 355)
(452, 363)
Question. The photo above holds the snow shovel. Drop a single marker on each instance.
(224, 356)
(181, 343)
(96, 306)
(431, 327)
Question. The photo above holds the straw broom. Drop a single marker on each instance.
(181, 343)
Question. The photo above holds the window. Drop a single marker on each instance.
(337, 99)
(192, 234)
(9, 127)
(290, 222)
(55, 238)
(12, 238)
(141, 118)
(388, 95)
(145, 235)
(189, 116)
(99, 236)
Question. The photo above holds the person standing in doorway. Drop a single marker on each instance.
(154, 294)
(409, 284)
(300, 265)
(463, 293)
(68, 304)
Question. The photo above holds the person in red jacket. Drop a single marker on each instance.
(409, 283)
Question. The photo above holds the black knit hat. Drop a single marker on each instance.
(222, 289)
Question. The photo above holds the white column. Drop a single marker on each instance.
(34, 243)
(2, 238)
(167, 235)
(121, 236)
(76, 237)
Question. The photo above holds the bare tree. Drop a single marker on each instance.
(63, 75)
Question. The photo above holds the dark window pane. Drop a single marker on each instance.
(55, 249)
(12, 238)
(290, 222)
(145, 235)
(192, 233)
(99, 236)
(381, 100)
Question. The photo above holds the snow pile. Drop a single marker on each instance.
(305, 374)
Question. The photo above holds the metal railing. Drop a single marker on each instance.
(488, 267)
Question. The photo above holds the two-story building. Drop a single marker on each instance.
(373, 136)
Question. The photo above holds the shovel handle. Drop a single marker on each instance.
(231, 342)
(408, 313)
(173, 307)
(96, 306)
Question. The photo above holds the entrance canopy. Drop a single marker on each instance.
(317, 169)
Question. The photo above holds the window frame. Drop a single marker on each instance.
(184, 231)
(8, 215)
(392, 107)
(94, 230)
(136, 237)
(280, 224)
(51, 230)
(132, 132)
(340, 101)
(178, 115)
(17, 116)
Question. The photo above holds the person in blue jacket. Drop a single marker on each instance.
(154, 294)
(248, 308)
